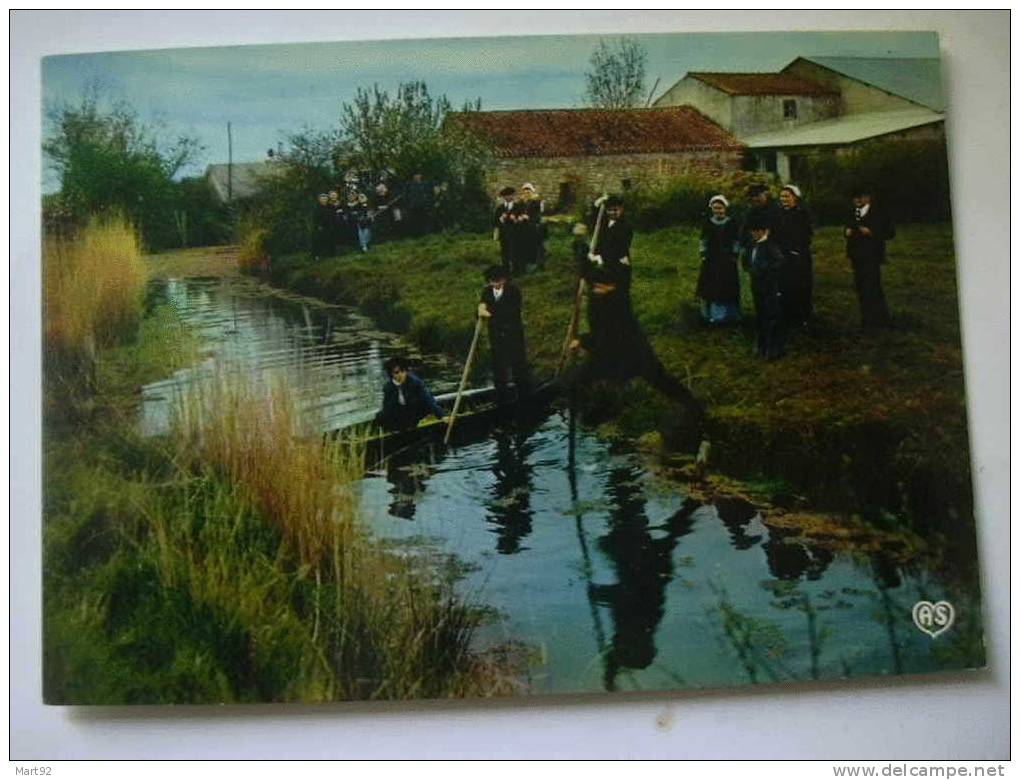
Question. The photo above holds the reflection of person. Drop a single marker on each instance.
(765, 263)
(792, 559)
(793, 233)
(618, 348)
(510, 505)
(643, 566)
(406, 398)
(866, 235)
(719, 279)
(500, 306)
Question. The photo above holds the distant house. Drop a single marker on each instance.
(746, 103)
(569, 153)
(238, 180)
(818, 106)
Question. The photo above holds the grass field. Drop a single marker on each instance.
(870, 422)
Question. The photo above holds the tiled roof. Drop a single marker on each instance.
(588, 132)
(918, 79)
(240, 180)
(763, 84)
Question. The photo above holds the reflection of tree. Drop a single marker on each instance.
(644, 567)
(789, 595)
(510, 503)
(793, 558)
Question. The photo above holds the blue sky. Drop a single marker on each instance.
(268, 91)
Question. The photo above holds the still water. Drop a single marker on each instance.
(602, 571)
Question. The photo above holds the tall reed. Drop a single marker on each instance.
(388, 625)
(93, 286)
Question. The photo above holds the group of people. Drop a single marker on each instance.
(366, 206)
(773, 244)
(517, 226)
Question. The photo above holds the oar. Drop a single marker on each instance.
(575, 315)
(463, 379)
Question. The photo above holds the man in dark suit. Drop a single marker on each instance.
(866, 234)
(406, 399)
(500, 305)
(619, 349)
(505, 228)
(760, 210)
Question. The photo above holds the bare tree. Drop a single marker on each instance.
(617, 75)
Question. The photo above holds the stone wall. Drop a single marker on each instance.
(753, 114)
(713, 103)
(586, 176)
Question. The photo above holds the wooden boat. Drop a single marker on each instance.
(479, 410)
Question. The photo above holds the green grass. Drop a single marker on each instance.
(226, 561)
(864, 420)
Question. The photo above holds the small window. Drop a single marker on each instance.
(789, 109)
(626, 183)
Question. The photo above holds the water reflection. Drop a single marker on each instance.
(612, 575)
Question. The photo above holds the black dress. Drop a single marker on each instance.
(792, 233)
(719, 280)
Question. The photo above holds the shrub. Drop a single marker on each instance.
(253, 254)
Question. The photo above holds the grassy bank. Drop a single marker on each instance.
(873, 423)
(224, 561)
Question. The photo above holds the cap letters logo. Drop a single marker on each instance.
(933, 619)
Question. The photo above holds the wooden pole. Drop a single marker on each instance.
(463, 380)
(576, 313)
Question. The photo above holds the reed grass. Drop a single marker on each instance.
(93, 286)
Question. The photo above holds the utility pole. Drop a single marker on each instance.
(230, 163)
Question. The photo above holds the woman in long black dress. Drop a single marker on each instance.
(793, 234)
(719, 280)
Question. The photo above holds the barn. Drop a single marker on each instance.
(573, 153)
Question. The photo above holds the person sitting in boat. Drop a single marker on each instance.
(406, 398)
(500, 305)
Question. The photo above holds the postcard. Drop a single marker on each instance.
(501, 367)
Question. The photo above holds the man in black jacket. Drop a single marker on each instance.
(500, 305)
(505, 229)
(866, 235)
(766, 264)
(406, 399)
(619, 348)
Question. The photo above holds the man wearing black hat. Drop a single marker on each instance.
(619, 348)
(866, 235)
(500, 305)
(765, 262)
(761, 210)
(504, 221)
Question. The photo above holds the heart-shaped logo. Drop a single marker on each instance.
(933, 619)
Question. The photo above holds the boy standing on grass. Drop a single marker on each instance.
(500, 305)
(765, 263)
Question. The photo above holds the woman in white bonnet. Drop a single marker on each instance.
(719, 280)
(792, 233)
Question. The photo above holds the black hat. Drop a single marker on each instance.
(756, 189)
(397, 361)
(860, 189)
(507, 191)
(494, 272)
(613, 200)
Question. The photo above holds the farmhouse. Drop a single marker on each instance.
(236, 181)
(572, 153)
(818, 106)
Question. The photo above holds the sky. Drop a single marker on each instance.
(269, 91)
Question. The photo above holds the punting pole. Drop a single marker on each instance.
(463, 379)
